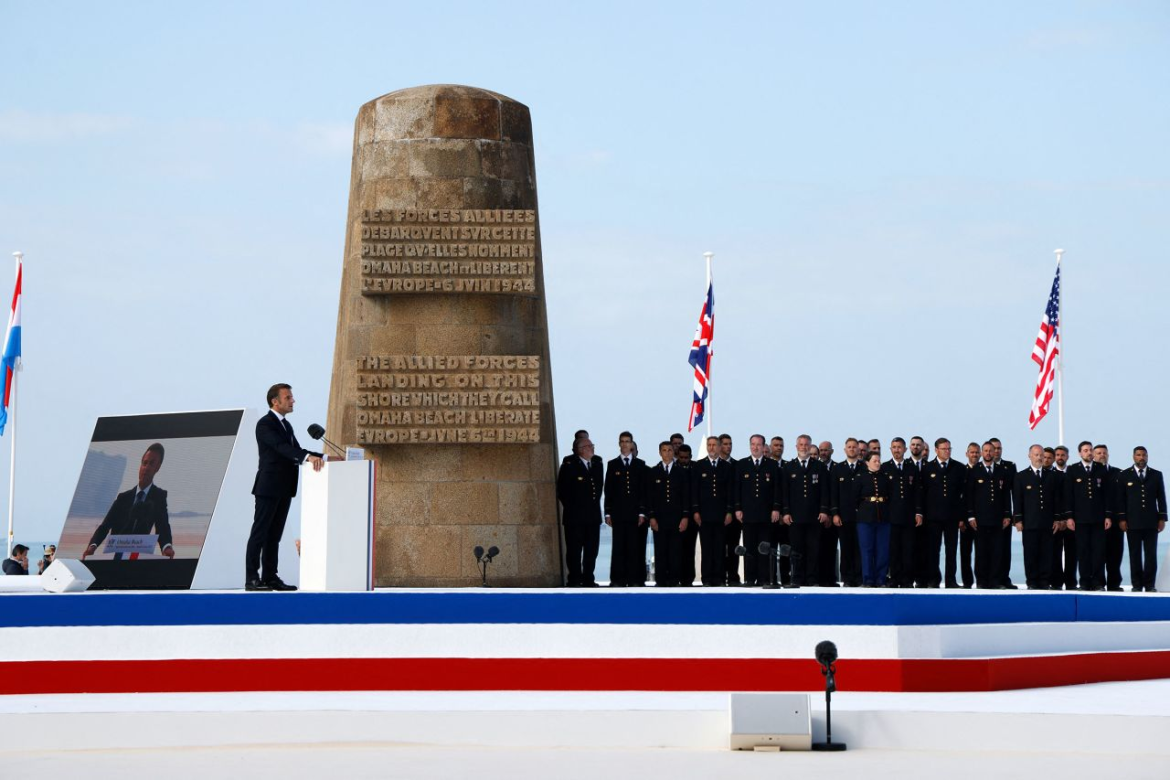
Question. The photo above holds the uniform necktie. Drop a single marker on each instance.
(899, 465)
(627, 460)
(757, 462)
(714, 463)
(1037, 473)
(851, 465)
(138, 499)
(1142, 475)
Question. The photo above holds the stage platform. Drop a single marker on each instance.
(669, 640)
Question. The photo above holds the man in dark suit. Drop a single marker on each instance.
(1140, 498)
(579, 485)
(712, 482)
(1036, 511)
(805, 495)
(1114, 537)
(943, 508)
(625, 493)
(988, 512)
(276, 484)
(844, 513)
(1088, 510)
(1005, 561)
(669, 508)
(758, 502)
(734, 529)
(18, 563)
(1063, 571)
(139, 510)
(902, 512)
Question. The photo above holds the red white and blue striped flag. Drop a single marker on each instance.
(11, 348)
(1046, 353)
(701, 353)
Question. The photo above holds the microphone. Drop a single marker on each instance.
(317, 433)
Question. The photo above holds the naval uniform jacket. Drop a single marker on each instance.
(942, 494)
(625, 490)
(758, 490)
(1086, 494)
(841, 490)
(668, 495)
(988, 495)
(1036, 499)
(579, 490)
(904, 484)
(1141, 503)
(711, 489)
(806, 490)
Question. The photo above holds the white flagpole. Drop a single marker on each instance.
(710, 352)
(12, 422)
(1060, 359)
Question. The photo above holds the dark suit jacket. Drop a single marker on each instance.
(280, 458)
(1140, 504)
(805, 491)
(625, 490)
(758, 491)
(579, 490)
(12, 567)
(125, 518)
(1087, 496)
(1036, 500)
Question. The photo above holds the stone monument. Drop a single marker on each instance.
(441, 367)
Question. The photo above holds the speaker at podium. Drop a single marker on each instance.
(337, 526)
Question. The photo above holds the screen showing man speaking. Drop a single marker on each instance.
(147, 491)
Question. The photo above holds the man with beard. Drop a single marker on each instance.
(1114, 537)
(921, 569)
(943, 508)
(806, 506)
(988, 512)
(625, 489)
(711, 494)
(1087, 508)
(758, 501)
(827, 565)
(902, 512)
(776, 450)
(1141, 513)
(1063, 571)
(844, 512)
(1036, 503)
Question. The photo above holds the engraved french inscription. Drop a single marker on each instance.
(448, 399)
(448, 251)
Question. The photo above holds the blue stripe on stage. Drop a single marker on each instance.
(689, 608)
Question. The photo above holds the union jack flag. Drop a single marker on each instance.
(701, 353)
(1046, 353)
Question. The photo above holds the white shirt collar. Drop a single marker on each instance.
(145, 490)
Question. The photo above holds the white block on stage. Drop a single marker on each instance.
(66, 575)
(337, 526)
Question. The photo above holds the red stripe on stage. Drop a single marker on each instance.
(574, 674)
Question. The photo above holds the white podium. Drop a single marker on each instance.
(337, 526)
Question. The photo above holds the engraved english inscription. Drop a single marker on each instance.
(441, 399)
(448, 251)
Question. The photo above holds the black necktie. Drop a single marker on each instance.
(627, 460)
(140, 497)
(288, 430)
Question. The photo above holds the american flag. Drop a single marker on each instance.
(701, 353)
(1046, 353)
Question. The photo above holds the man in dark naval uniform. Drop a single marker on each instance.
(1088, 509)
(1063, 572)
(758, 501)
(1114, 537)
(669, 509)
(988, 512)
(579, 486)
(1005, 561)
(844, 512)
(944, 509)
(1036, 510)
(902, 513)
(1140, 498)
(712, 481)
(731, 534)
(625, 492)
(805, 495)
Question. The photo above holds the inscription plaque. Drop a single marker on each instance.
(448, 250)
(439, 399)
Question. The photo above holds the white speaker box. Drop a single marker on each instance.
(770, 720)
(66, 575)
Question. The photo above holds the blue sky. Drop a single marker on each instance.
(882, 184)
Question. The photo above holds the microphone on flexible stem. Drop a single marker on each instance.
(317, 433)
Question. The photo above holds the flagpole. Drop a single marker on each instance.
(1060, 359)
(711, 354)
(12, 413)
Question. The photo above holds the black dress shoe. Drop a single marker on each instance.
(952, 585)
(1151, 590)
(276, 583)
(256, 585)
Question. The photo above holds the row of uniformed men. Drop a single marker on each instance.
(890, 527)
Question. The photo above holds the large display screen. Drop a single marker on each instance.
(147, 491)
